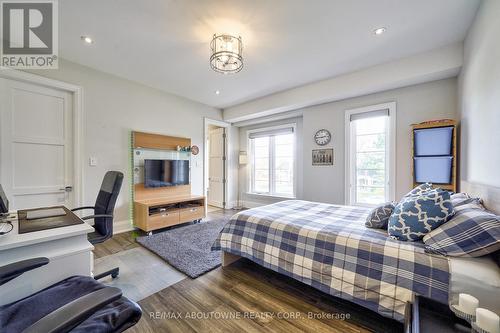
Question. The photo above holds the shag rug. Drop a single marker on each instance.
(187, 248)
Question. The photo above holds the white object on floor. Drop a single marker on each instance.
(467, 303)
(142, 273)
(44, 213)
(487, 320)
(479, 277)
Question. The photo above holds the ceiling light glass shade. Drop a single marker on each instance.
(226, 54)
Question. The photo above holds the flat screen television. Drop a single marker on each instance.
(161, 173)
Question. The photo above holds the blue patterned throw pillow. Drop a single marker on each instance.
(422, 188)
(416, 215)
(379, 216)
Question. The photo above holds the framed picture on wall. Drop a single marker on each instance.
(322, 157)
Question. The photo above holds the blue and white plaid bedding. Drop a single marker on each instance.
(472, 232)
(329, 248)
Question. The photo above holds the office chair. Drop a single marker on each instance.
(103, 213)
(76, 304)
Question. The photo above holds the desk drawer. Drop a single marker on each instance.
(163, 220)
(192, 213)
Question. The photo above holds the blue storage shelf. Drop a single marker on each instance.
(434, 153)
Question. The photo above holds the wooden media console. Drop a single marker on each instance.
(152, 214)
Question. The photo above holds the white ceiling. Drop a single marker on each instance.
(287, 43)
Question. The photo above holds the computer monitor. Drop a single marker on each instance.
(4, 203)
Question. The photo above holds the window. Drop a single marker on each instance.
(370, 141)
(272, 161)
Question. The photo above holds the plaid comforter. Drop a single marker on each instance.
(329, 248)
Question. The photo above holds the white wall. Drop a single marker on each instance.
(480, 98)
(427, 101)
(112, 108)
(232, 166)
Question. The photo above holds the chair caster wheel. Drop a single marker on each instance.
(115, 272)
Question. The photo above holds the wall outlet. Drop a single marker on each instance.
(93, 161)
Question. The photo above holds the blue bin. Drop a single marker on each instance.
(433, 169)
(433, 141)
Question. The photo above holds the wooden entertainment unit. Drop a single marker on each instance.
(156, 208)
(159, 213)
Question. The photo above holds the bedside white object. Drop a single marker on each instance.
(467, 303)
(487, 320)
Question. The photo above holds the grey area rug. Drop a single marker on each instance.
(187, 248)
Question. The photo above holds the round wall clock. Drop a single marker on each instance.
(195, 150)
(322, 137)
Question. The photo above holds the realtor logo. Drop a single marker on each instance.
(29, 34)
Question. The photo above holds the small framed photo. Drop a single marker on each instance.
(322, 157)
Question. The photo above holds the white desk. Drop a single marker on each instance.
(69, 252)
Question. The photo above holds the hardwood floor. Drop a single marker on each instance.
(245, 297)
(120, 242)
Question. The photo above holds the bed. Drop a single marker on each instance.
(328, 247)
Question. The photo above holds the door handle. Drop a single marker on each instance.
(67, 189)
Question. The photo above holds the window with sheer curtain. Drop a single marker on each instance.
(370, 153)
(272, 161)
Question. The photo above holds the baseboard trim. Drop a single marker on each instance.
(254, 204)
(231, 205)
(122, 226)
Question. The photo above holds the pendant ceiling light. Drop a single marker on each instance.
(226, 54)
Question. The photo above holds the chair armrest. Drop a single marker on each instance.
(11, 271)
(96, 216)
(81, 208)
(74, 313)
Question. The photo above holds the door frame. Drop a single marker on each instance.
(77, 93)
(220, 123)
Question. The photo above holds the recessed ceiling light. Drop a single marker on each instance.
(380, 31)
(87, 39)
(217, 92)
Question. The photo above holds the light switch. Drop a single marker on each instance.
(93, 161)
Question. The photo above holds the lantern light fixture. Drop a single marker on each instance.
(226, 54)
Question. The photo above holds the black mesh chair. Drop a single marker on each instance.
(77, 304)
(103, 213)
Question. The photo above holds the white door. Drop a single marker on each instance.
(216, 170)
(36, 152)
